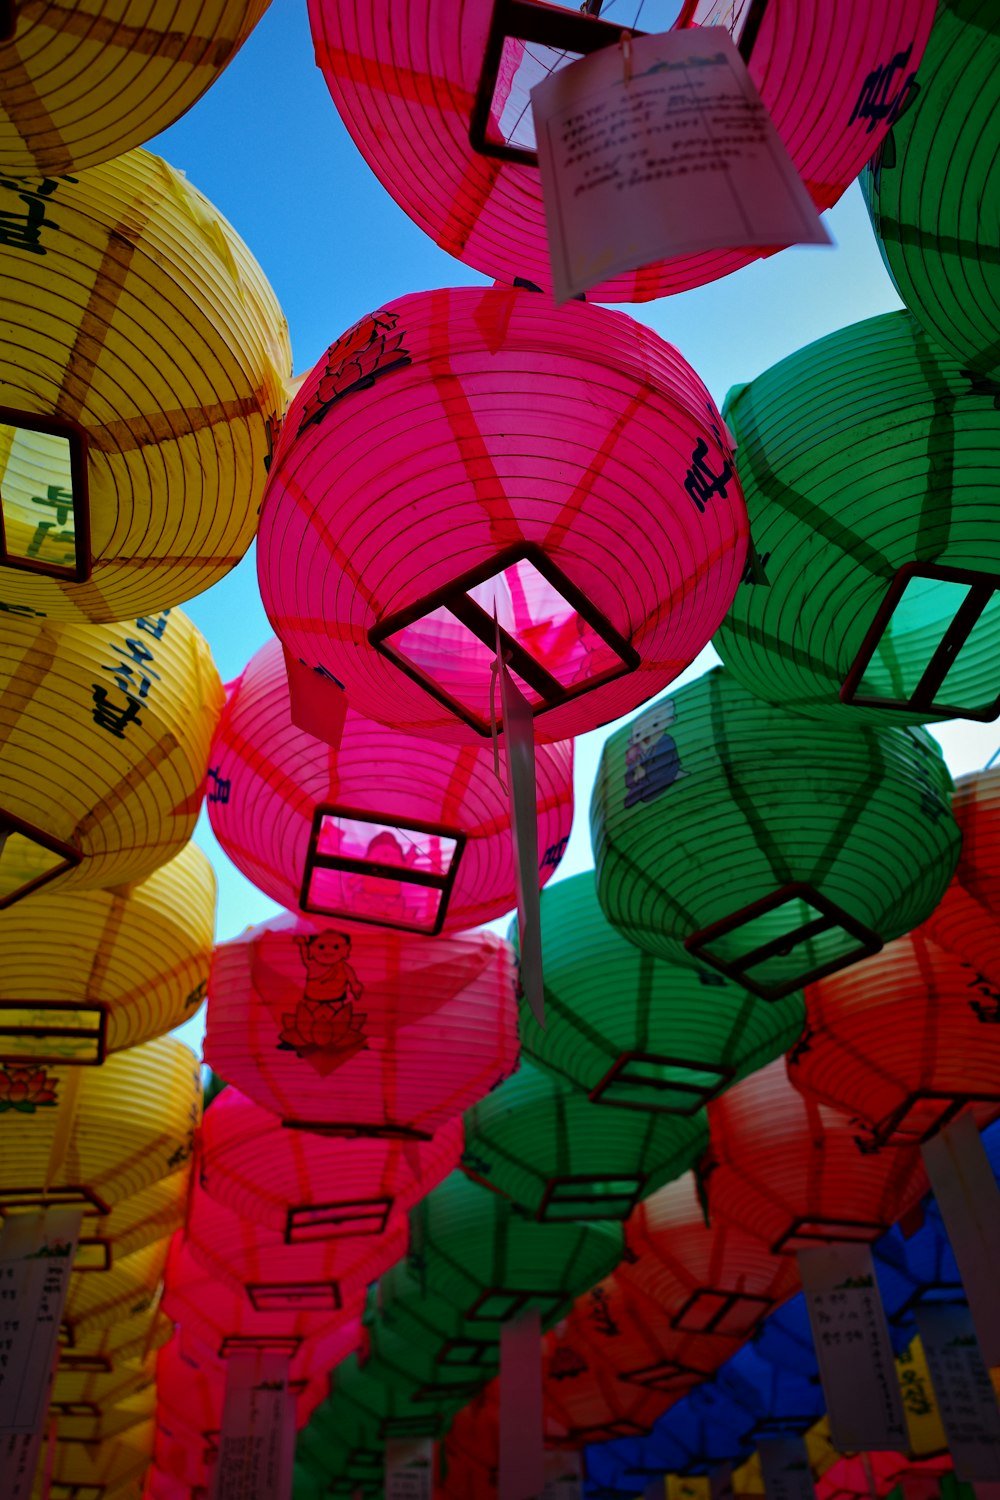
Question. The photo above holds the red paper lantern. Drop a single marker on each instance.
(712, 1281)
(309, 1188)
(967, 919)
(791, 1172)
(411, 82)
(388, 829)
(901, 1042)
(476, 457)
(323, 1027)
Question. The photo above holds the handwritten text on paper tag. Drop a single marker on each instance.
(965, 1395)
(409, 1469)
(967, 1195)
(784, 1465)
(257, 1438)
(662, 151)
(36, 1257)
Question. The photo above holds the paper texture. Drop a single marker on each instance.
(965, 1395)
(855, 1356)
(409, 1469)
(657, 148)
(257, 1437)
(519, 741)
(522, 1453)
(967, 1196)
(563, 1476)
(36, 1257)
(784, 1465)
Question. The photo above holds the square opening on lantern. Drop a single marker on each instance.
(932, 646)
(577, 1197)
(555, 643)
(92, 1254)
(321, 1221)
(666, 1375)
(48, 1031)
(29, 858)
(922, 1114)
(498, 1305)
(65, 1195)
(647, 1081)
(44, 506)
(801, 1234)
(711, 1310)
(462, 1353)
(240, 1343)
(294, 1296)
(777, 944)
(364, 869)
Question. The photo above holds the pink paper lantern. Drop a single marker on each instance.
(388, 830)
(404, 76)
(308, 1188)
(476, 455)
(324, 1039)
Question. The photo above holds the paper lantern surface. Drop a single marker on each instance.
(426, 1339)
(926, 186)
(901, 1043)
(404, 78)
(560, 1158)
(966, 920)
(104, 738)
(143, 361)
(388, 830)
(82, 86)
(310, 1188)
(95, 1136)
(86, 973)
(867, 459)
(606, 539)
(130, 1288)
(633, 1030)
(729, 831)
(791, 1171)
(287, 1030)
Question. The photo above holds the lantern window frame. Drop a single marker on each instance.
(77, 439)
(617, 1077)
(67, 1195)
(950, 1294)
(817, 1229)
(93, 1242)
(945, 655)
(98, 1033)
(310, 1216)
(554, 1197)
(728, 1302)
(831, 916)
(484, 1350)
(71, 856)
(885, 1134)
(266, 1296)
(454, 597)
(316, 861)
(85, 1364)
(242, 1343)
(663, 1375)
(516, 1303)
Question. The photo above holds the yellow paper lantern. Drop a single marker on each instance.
(128, 1339)
(93, 1136)
(152, 1214)
(94, 1422)
(83, 83)
(73, 1388)
(130, 1288)
(100, 1471)
(143, 360)
(87, 973)
(105, 734)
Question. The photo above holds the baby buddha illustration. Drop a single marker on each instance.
(652, 763)
(325, 1029)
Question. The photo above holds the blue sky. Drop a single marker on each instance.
(266, 145)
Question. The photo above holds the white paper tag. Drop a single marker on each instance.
(519, 742)
(662, 149)
(409, 1469)
(784, 1466)
(855, 1356)
(36, 1258)
(257, 1437)
(563, 1477)
(967, 1196)
(965, 1396)
(19, 1455)
(522, 1451)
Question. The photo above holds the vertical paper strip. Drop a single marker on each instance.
(563, 1477)
(855, 1356)
(19, 1456)
(257, 1437)
(522, 1452)
(519, 741)
(409, 1469)
(36, 1257)
(784, 1467)
(967, 1196)
(964, 1391)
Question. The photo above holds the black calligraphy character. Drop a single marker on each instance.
(873, 103)
(21, 229)
(221, 787)
(114, 720)
(700, 483)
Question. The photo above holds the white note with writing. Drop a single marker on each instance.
(965, 1396)
(257, 1437)
(784, 1466)
(36, 1258)
(660, 149)
(409, 1469)
(969, 1200)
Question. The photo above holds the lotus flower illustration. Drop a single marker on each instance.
(324, 1035)
(25, 1089)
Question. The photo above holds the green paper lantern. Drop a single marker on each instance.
(869, 461)
(933, 186)
(560, 1157)
(770, 847)
(492, 1262)
(425, 1340)
(634, 1030)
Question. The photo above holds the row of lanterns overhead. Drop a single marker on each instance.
(405, 1161)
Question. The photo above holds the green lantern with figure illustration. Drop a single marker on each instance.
(731, 833)
(869, 461)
